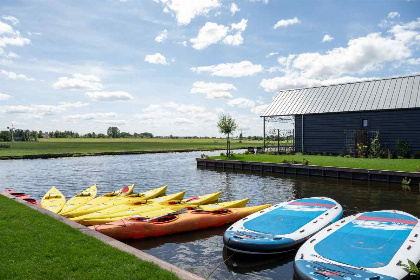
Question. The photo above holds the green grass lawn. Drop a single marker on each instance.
(36, 246)
(366, 163)
(84, 146)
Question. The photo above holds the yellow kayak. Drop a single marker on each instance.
(152, 205)
(79, 200)
(53, 200)
(145, 204)
(85, 209)
(176, 207)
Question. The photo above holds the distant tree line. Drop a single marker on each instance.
(28, 135)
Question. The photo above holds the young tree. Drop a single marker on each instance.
(227, 126)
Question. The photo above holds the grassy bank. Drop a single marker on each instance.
(36, 246)
(410, 165)
(78, 146)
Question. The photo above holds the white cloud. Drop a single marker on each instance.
(15, 40)
(293, 80)
(34, 110)
(14, 76)
(162, 36)
(407, 33)
(234, 40)
(11, 19)
(327, 38)
(362, 54)
(393, 15)
(209, 34)
(4, 96)
(213, 90)
(186, 10)
(241, 103)
(413, 61)
(258, 110)
(108, 95)
(113, 122)
(156, 58)
(212, 33)
(271, 54)
(240, 26)
(78, 82)
(235, 70)
(286, 22)
(73, 105)
(5, 28)
(234, 8)
(89, 116)
(11, 55)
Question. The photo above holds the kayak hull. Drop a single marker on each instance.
(23, 196)
(53, 200)
(79, 200)
(188, 221)
(160, 210)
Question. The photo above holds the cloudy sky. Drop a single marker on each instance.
(173, 66)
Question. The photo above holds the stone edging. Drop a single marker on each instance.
(312, 170)
(183, 274)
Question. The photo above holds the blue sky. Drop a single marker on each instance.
(173, 66)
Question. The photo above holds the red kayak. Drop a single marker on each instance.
(23, 196)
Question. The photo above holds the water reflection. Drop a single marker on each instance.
(202, 252)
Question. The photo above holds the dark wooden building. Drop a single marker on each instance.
(333, 119)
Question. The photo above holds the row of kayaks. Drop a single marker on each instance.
(368, 246)
(160, 213)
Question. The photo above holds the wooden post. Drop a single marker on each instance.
(264, 135)
(278, 141)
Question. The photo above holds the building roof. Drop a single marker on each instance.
(381, 94)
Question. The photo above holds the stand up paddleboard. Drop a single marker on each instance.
(283, 226)
(369, 246)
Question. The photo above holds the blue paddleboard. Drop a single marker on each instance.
(282, 227)
(369, 246)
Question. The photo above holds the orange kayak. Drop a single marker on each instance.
(184, 220)
(23, 196)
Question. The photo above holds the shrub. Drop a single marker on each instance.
(204, 156)
(416, 155)
(362, 150)
(412, 269)
(375, 147)
(305, 162)
(403, 148)
(325, 154)
(246, 152)
(347, 156)
(222, 154)
(406, 181)
(389, 154)
(418, 168)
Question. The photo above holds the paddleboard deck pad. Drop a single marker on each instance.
(282, 227)
(369, 246)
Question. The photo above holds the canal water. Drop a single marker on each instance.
(202, 252)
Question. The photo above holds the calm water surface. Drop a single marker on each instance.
(201, 252)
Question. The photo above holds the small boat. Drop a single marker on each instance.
(136, 209)
(53, 200)
(168, 208)
(181, 221)
(102, 200)
(79, 200)
(371, 245)
(127, 199)
(147, 205)
(23, 196)
(282, 227)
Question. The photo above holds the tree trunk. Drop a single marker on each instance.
(227, 146)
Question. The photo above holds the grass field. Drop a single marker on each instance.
(410, 165)
(36, 246)
(90, 146)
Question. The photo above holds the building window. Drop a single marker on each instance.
(365, 123)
